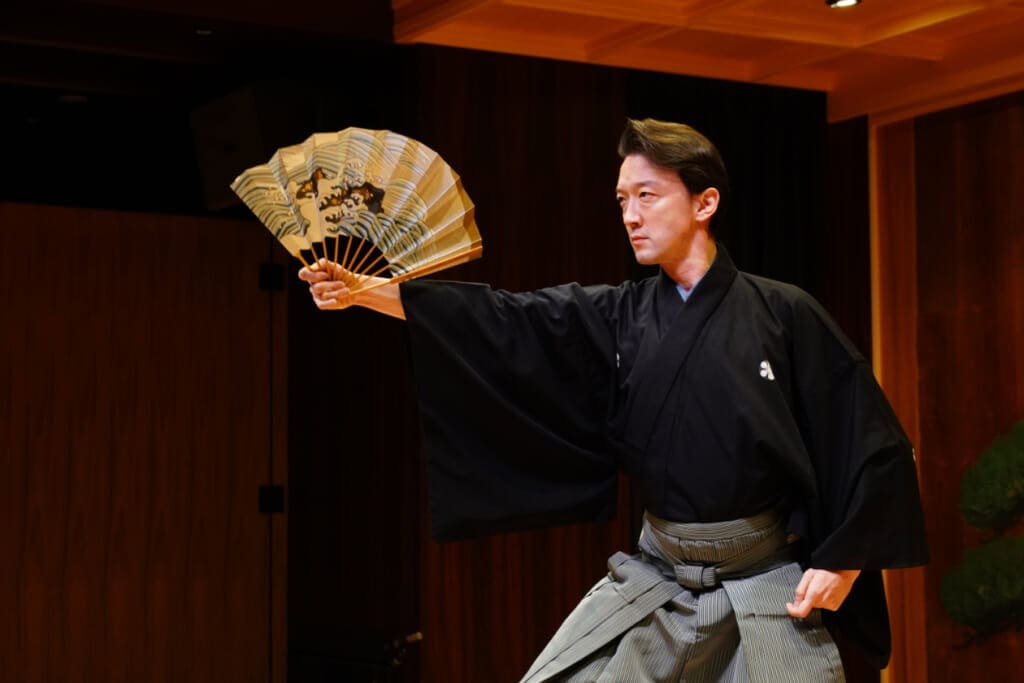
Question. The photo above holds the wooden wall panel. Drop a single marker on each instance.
(894, 357)
(948, 253)
(970, 171)
(535, 143)
(135, 429)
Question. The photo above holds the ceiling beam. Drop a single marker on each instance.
(628, 36)
(508, 41)
(795, 56)
(916, 21)
(911, 46)
(808, 78)
(779, 29)
(417, 18)
(791, 57)
(666, 60)
(679, 13)
(902, 98)
(647, 11)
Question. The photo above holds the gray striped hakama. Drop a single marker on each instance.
(702, 602)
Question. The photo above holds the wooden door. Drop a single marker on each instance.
(138, 418)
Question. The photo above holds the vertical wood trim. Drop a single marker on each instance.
(894, 311)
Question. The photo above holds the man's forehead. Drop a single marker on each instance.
(642, 179)
(638, 170)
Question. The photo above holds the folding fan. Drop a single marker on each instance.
(374, 202)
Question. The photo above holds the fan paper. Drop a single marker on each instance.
(361, 187)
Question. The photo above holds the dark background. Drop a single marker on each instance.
(106, 111)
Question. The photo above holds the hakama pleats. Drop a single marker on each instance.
(702, 602)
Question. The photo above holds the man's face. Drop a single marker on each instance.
(657, 210)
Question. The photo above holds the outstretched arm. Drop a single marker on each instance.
(331, 294)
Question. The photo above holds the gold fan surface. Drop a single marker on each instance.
(375, 202)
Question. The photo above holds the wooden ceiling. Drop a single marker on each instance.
(886, 58)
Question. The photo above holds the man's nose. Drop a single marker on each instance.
(630, 216)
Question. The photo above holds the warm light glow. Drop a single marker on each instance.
(842, 3)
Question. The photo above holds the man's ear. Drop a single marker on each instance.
(707, 203)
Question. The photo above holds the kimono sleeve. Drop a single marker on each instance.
(514, 393)
(867, 512)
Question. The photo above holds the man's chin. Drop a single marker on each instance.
(643, 258)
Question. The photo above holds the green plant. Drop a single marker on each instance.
(986, 590)
(992, 490)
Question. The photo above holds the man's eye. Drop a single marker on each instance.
(646, 195)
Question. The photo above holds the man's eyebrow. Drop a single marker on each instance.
(649, 182)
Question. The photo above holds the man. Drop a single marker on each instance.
(776, 478)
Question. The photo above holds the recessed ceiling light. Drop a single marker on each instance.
(842, 3)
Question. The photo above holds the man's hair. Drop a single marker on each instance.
(678, 147)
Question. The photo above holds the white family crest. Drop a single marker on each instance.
(766, 371)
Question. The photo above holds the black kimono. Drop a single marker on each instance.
(744, 398)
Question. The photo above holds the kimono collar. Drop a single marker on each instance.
(712, 284)
(666, 345)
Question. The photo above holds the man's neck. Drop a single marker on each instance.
(700, 254)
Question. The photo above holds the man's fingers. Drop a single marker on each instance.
(331, 288)
(323, 270)
(330, 302)
(803, 597)
(799, 611)
(822, 588)
(327, 285)
(308, 275)
(802, 605)
(801, 588)
(330, 295)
